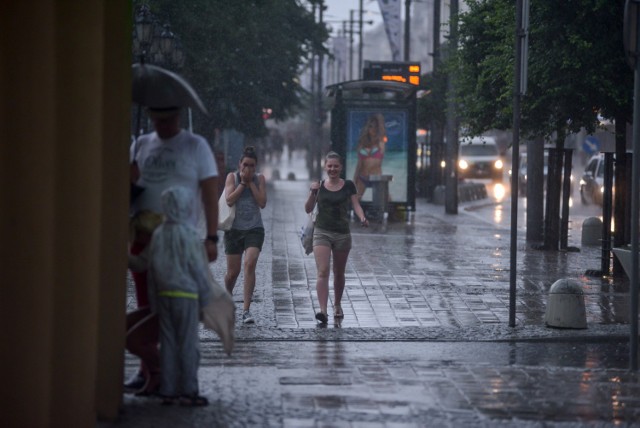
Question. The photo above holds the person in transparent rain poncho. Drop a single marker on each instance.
(178, 289)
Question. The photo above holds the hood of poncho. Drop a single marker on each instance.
(177, 204)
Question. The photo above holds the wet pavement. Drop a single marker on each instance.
(425, 339)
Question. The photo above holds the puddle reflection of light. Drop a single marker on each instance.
(617, 406)
(499, 192)
(497, 214)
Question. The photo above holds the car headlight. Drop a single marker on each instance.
(602, 189)
(463, 164)
(498, 164)
(582, 182)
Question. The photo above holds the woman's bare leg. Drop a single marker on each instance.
(322, 255)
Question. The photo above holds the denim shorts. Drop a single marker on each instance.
(236, 241)
(333, 240)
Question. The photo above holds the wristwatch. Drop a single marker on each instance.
(213, 238)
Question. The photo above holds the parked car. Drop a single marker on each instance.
(592, 181)
(522, 174)
(479, 157)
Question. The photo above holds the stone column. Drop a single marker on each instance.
(63, 80)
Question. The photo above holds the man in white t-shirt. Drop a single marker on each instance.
(169, 156)
(173, 156)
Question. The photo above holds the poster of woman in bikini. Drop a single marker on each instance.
(377, 144)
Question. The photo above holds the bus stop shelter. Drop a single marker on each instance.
(386, 170)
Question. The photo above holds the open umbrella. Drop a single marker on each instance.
(159, 88)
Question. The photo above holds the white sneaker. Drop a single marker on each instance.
(247, 318)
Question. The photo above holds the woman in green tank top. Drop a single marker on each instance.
(332, 236)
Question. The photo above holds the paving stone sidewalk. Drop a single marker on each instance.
(425, 341)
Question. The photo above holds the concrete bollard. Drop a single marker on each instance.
(565, 305)
(591, 231)
(438, 195)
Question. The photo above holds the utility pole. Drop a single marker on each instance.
(407, 29)
(451, 168)
(361, 41)
(515, 160)
(435, 131)
(351, 44)
(312, 113)
(350, 31)
(319, 110)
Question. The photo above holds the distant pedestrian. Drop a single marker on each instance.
(332, 235)
(246, 189)
(178, 288)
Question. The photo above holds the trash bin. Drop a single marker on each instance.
(591, 231)
(565, 305)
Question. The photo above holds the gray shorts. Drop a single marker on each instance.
(333, 240)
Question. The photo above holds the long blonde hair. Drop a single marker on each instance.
(381, 133)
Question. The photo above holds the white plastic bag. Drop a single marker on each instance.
(219, 315)
(306, 235)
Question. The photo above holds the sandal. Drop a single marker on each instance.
(322, 317)
(193, 401)
(337, 312)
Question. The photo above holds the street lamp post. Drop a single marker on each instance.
(155, 44)
(143, 32)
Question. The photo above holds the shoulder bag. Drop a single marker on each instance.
(226, 213)
(306, 234)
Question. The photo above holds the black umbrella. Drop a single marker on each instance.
(158, 88)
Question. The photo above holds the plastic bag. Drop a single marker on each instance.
(219, 315)
(306, 235)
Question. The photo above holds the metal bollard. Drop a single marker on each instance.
(565, 305)
(591, 231)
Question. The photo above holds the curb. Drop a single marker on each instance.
(481, 333)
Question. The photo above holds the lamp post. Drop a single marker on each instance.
(143, 32)
(154, 43)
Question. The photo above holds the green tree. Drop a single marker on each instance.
(577, 74)
(243, 56)
(576, 66)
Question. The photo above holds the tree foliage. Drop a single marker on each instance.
(243, 56)
(576, 65)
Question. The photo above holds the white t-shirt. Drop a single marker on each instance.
(183, 160)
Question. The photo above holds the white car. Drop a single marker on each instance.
(479, 157)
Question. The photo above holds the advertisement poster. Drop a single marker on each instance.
(377, 145)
